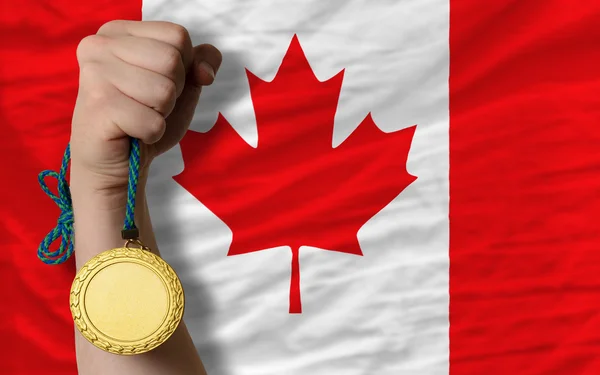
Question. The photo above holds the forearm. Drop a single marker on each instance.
(98, 224)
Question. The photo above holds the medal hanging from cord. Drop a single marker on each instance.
(125, 300)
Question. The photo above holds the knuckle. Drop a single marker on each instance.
(89, 80)
(97, 99)
(179, 36)
(166, 95)
(88, 46)
(166, 90)
(172, 60)
(93, 90)
(155, 128)
(89, 72)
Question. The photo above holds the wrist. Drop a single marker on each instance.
(99, 214)
(103, 191)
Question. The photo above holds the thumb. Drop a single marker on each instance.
(206, 63)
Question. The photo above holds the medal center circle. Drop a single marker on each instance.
(126, 301)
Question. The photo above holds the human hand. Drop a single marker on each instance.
(138, 79)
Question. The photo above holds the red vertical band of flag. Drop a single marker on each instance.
(524, 187)
(38, 83)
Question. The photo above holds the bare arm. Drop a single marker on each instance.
(99, 220)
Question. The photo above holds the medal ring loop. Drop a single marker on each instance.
(130, 242)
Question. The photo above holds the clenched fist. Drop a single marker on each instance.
(138, 79)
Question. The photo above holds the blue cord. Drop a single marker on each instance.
(64, 226)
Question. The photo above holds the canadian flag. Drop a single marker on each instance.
(369, 187)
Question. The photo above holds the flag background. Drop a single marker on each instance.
(516, 290)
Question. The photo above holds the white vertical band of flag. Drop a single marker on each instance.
(383, 313)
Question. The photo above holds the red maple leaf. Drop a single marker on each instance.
(294, 188)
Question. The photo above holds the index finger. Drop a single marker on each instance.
(167, 32)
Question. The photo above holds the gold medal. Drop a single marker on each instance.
(127, 300)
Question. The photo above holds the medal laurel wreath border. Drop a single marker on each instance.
(174, 315)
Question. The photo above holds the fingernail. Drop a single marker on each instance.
(207, 68)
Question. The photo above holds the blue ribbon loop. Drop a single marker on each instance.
(64, 225)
